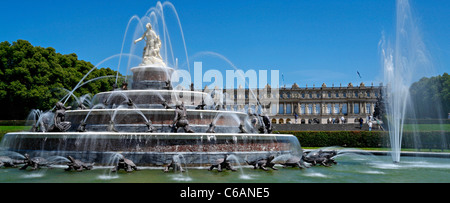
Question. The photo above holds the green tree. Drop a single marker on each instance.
(431, 96)
(36, 78)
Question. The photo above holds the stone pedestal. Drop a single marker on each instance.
(151, 77)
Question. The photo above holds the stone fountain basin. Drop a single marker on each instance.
(151, 149)
(152, 98)
(133, 120)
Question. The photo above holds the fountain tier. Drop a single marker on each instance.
(151, 149)
(151, 77)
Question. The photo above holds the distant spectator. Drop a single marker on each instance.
(361, 120)
(370, 125)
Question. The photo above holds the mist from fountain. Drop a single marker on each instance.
(405, 62)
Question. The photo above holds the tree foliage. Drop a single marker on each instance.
(431, 97)
(36, 78)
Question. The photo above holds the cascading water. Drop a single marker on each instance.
(403, 64)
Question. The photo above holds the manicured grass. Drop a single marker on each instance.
(7, 129)
(427, 127)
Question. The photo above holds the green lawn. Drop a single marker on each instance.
(7, 129)
(427, 127)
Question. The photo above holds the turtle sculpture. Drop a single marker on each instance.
(324, 158)
(77, 165)
(150, 127)
(242, 128)
(176, 165)
(263, 163)
(165, 105)
(8, 162)
(211, 128)
(35, 162)
(82, 127)
(126, 165)
(111, 127)
(222, 164)
(295, 161)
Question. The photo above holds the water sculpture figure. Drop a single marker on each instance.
(152, 48)
(168, 85)
(111, 127)
(150, 127)
(77, 165)
(176, 165)
(295, 161)
(60, 124)
(267, 124)
(242, 128)
(324, 158)
(126, 165)
(222, 164)
(9, 162)
(211, 128)
(180, 119)
(201, 106)
(35, 162)
(263, 163)
(165, 105)
(82, 126)
(130, 103)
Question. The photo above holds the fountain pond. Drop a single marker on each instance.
(154, 125)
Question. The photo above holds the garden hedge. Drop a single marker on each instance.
(370, 139)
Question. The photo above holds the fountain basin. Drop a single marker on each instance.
(150, 98)
(133, 120)
(151, 149)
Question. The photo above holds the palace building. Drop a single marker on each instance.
(312, 105)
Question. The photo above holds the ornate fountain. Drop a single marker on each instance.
(150, 123)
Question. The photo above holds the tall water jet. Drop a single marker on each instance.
(403, 64)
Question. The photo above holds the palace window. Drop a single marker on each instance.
(344, 109)
(328, 108)
(281, 109)
(288, 109)
(356, 108)
(317, 108)
(310, 109)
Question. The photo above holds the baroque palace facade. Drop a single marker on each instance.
(314, 105)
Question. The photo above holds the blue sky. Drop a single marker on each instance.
(308, 41)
